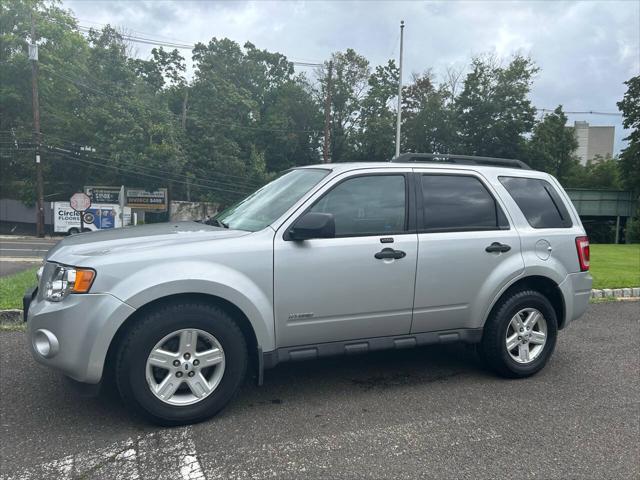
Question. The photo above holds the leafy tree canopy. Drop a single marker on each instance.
(242, 114)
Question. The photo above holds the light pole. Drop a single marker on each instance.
(399, 120)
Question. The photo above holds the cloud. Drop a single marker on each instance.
(585, 50)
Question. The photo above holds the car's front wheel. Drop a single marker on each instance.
(520, 334)
(181, 363)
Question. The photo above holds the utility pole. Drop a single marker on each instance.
(33, 56)
(399, 92)
(184, 108)
(327, 116)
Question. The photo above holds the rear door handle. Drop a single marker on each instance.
(388, 253)
(498, 247)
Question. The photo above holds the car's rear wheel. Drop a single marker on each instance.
(520, 334)
(181, 363)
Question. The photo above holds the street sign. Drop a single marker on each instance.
(103, 194)
(146, 200)
(80, 202)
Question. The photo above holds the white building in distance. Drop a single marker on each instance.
(593, 141)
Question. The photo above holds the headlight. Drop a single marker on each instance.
(66, 280)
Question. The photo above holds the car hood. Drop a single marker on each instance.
(129, 239)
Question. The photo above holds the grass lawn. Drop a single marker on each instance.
(615, 266)
(12, 288)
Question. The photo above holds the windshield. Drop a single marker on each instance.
(266, 205)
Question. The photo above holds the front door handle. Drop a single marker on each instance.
(498, 247)
(390, 253)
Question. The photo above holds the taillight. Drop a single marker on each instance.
(582, 245)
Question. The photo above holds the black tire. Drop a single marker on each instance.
(151, 328)
(73, 231)
(493, 348)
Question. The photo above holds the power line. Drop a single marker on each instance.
(76, 82)
(247, 180)
(75, 158)
(586, 112)
(171, 40)
(198, 183)
(225, 183)
(180, 45)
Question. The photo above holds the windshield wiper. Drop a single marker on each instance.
(217, 223)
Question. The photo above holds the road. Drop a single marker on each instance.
(429, 413)
(21, 253)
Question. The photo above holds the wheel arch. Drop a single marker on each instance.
(233, 310)
(545, 285)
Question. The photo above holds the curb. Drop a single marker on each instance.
(11, 316)
(615, 292)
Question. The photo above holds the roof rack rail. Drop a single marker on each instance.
(460, 160)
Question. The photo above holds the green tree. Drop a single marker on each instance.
(599, 173)
(493, 110)
(376, 122)
(249, 115)
(552, 146)
(428, 122)
(350, 76)
(630, 156)
(60, 49)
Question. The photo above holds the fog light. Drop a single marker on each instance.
(45, 343)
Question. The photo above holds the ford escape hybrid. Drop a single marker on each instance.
(325, 260)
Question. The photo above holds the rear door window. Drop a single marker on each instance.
(459, 203)
(539, 202)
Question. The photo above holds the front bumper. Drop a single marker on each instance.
(73, 336)
(576, 290)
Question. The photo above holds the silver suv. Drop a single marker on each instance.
(325, 260)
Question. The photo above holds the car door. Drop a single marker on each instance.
(335, 289)
(468, 250)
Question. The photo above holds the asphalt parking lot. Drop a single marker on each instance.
(429, 413)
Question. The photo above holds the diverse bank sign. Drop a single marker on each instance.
(146, 200)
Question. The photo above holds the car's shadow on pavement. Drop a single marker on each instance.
(294, 382)
(60, 405)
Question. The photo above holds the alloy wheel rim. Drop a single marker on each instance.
(185, 367)
(526, 335)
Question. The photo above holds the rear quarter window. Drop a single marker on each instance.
(539, 202)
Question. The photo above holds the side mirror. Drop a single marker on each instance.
(313, 225)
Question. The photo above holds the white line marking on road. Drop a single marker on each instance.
(21, 259)
(190, 468)
(171, 454)
(21, 250)
(29, 243)
(162, 455)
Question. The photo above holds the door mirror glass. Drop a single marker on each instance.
(313, 225)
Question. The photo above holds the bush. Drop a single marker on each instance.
(632, 230)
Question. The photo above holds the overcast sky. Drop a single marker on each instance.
(585, 50)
